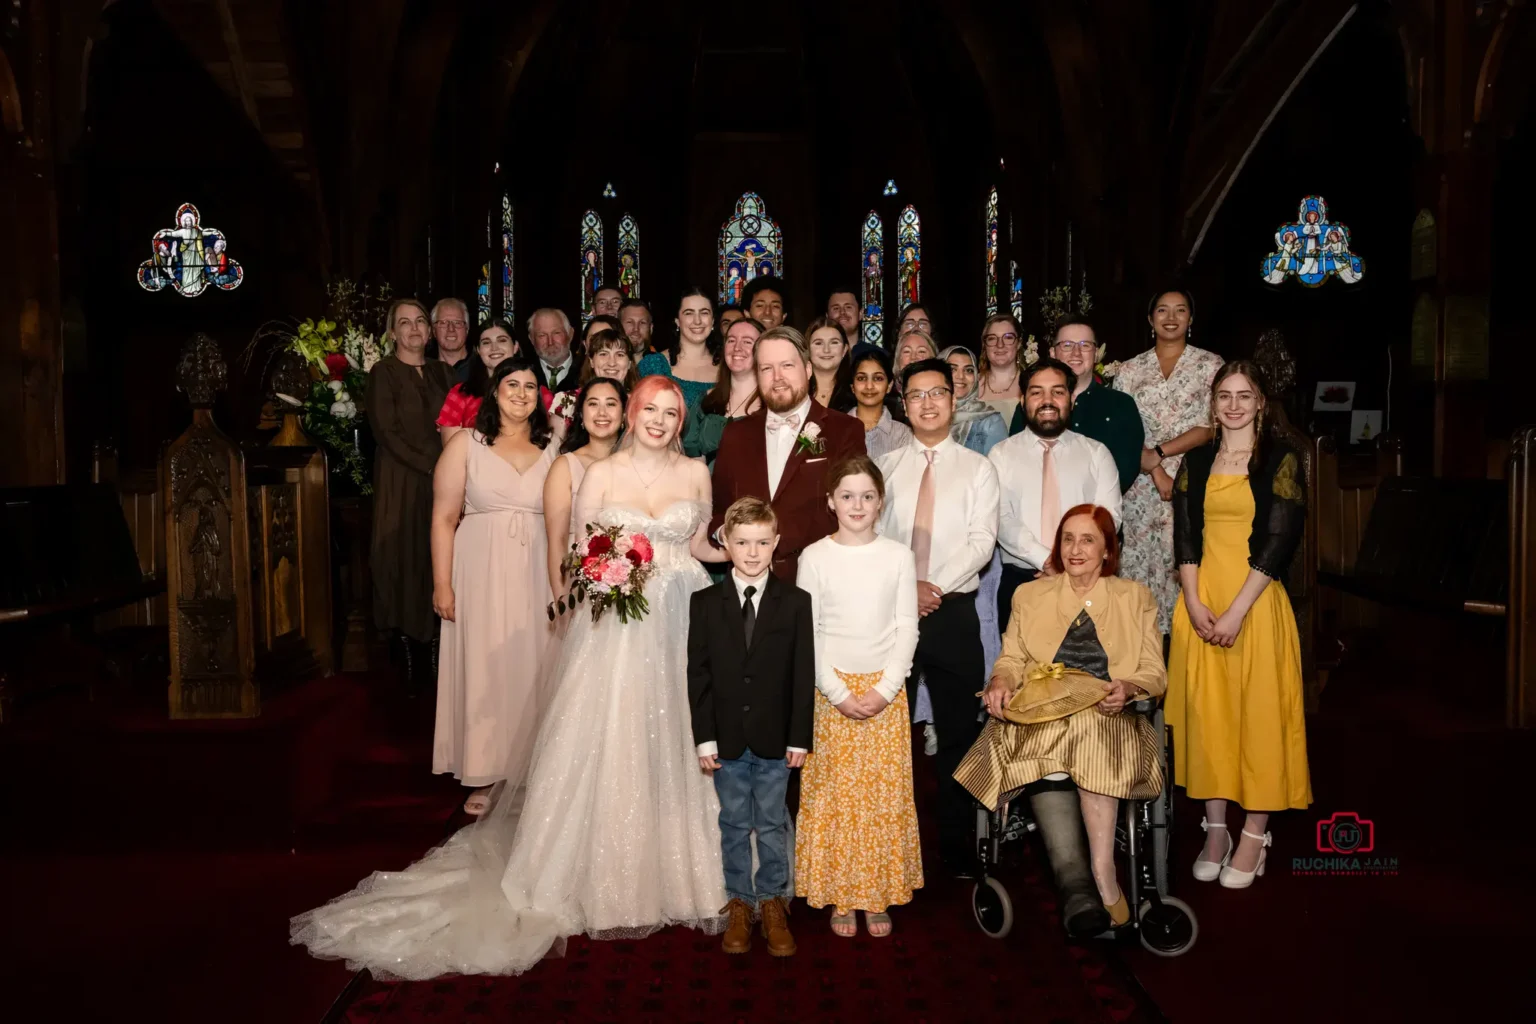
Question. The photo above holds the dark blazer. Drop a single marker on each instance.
(759, 697)
(1279, 507)
(571, 381)
(741, 469)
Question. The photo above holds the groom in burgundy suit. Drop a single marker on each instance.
(782, 451)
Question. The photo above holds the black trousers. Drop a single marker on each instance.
(949, 655)
(1013, 577)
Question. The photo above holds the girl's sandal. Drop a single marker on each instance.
(845, 925)
(877, 921)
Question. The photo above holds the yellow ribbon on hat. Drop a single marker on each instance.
(1046, 670)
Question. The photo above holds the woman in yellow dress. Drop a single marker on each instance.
(1081, 643)
(1234, 672)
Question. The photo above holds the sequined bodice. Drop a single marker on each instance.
(669, 533)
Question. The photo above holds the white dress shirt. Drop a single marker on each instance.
(710, 748)
(1085, 474)
(780, 445)
(864, 607)
(964, 509)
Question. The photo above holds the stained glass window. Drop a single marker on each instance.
(591, 261)
(483, 289)
(1018, 290)
(890, 186)
(872, 270)
(190, 258)
(1312, 249)
(629, 257)
(909, 256)
(507, 305)
(991, 242)
(751, 246)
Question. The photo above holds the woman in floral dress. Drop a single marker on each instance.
(1171, 383)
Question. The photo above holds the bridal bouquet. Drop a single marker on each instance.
(608, 568)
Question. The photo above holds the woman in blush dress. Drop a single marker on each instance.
(488, 585)
(616, 834)
(600, 405)
(463, 402)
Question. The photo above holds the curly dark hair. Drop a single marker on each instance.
(488, 422)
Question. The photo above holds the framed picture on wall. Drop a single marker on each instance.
(1334, 396)
(1364, 426)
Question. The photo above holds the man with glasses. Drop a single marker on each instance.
(941, 499)
(1098, 411)
(607, 301)
(914, 318)
(450, 335)
(1044, 470)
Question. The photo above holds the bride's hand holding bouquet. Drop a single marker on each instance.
(608, 569)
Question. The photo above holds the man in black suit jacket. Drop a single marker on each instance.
(751, 684)
(557, 364)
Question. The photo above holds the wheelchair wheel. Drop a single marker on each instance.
(1169, 929)
(992, 907)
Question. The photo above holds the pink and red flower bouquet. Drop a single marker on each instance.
(608, 569)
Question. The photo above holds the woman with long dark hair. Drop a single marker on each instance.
(1234, 669)
(872, 400)
(733, 396)
(596, 427)
(490, 585)
(830, 367)
(495, 343)
(692, 360)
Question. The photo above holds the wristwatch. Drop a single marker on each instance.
(1159, 449)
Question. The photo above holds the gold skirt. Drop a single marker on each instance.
(1113, 755)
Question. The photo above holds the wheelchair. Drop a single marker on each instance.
(1166, 925)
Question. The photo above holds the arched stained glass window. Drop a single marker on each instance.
(909, 256)
(751, 246)
(991, 243)
(629, 257)
(507, 304)
(872, 273)
(483, 291)
(591, 261)
(1018, 290)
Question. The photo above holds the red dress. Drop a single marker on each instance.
(459, 409)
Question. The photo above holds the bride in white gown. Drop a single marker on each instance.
(616, 834)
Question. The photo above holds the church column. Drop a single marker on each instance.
(31, 339)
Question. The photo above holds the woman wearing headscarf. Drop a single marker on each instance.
(976, 426)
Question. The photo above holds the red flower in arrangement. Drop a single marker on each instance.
(337, 364)
(640, 544)
(592, 567)
(633, 556)
(600, 544)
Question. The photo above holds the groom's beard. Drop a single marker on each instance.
(779, 405)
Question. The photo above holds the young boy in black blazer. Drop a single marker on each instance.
(751, 683)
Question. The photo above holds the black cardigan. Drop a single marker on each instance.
(1279, 508)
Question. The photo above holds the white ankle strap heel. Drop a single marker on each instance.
(1209, 870)
(1231, 878)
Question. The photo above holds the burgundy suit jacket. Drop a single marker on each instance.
(741, 469)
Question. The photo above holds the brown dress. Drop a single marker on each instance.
(402, 411)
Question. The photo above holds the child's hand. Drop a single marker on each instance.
(710, 763)
(851, 708)
(873, 702)
(795, 758)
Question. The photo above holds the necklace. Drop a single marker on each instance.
(648, 483)
(986, 385)
(1229, 452)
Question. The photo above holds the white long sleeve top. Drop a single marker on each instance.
(864, 607)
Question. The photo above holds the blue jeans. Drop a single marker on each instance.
(751, 791)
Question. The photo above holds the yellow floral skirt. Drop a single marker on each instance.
(856, 842)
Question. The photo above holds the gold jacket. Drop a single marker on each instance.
(1124, 614)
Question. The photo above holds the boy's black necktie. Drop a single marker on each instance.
(748, 614)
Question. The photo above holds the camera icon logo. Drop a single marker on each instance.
(1346, 832)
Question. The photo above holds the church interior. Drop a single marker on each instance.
(181, 775)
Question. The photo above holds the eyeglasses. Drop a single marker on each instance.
(1001, 339)
(913, 397)
(915, 325)
(457, 325)
(1077, 346)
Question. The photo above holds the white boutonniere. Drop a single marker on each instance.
(564, 405)
(810, 440)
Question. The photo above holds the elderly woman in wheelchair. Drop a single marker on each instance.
(1081, 645)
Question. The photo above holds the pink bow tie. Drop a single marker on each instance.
(777, 423)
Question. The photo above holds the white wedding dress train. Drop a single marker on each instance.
(616, 834)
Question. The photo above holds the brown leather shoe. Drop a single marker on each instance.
(776, 927)
(738, 931)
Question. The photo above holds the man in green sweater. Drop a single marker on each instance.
(1098, 411)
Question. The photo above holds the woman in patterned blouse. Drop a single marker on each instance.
(1171, 383)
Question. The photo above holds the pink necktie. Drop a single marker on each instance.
(922, 523)
(777, 423)
(1050, 494)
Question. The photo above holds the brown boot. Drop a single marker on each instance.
(776, 927)
(738, 931)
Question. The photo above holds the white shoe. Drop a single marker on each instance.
(930, 740)
(1208, 870)
(1231, 878)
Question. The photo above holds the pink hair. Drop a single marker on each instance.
(644, 392)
